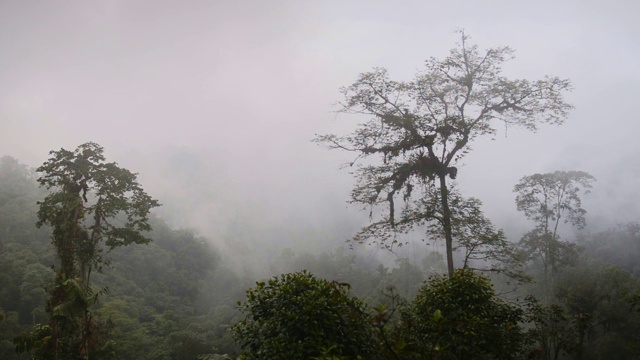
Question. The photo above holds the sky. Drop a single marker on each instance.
(215, 103)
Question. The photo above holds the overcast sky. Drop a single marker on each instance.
(233, 92)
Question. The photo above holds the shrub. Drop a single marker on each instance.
(459, 317)
(298, 316)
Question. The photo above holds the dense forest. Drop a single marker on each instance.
(88, 269)
(172, 298)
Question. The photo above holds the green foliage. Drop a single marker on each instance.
(87, 198)
(552, 334)
(78, 298)
(459, 317)
(36, 280)
(599, 300)
(166, 300)
(298, 316)
(76, 176)
(171, 299)
(592, 317)
(37, 339)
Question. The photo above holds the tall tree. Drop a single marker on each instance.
(549, 200)
(91, 204)
(421, 128)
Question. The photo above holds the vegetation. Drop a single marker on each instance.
(298, 316)
(460, 317)
(161, 302)
(549, 200)
(172, 298)
(176, 298)
(420, 129)
(79, 227)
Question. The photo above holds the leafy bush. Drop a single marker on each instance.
(298, 316)
(459, 317)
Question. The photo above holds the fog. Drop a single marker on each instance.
(214, 103)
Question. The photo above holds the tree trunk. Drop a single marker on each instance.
(446, 222)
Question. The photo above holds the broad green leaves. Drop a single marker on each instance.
(459, 317)
(298, 316)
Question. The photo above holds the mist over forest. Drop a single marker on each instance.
(218, 108)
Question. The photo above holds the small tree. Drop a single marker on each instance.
(298, 316)
(420, 129)
(92, 203)
(548, 200)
